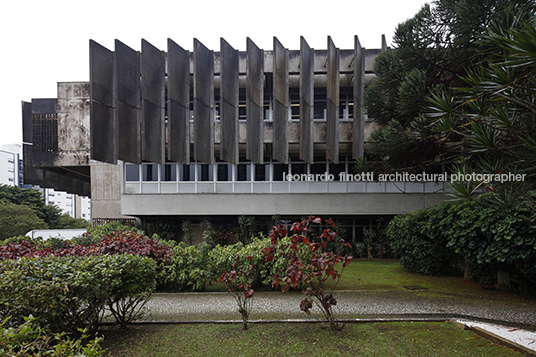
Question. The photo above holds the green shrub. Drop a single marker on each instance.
(437, 239)
(68, 293)
(223, 257)
(186, 271)
(419, 252)
(108, 228)
(29, 339)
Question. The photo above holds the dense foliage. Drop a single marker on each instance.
(30, 339)
(68, 293)
(433, 50)
(18, 220)
(50, 215)
(434, 240)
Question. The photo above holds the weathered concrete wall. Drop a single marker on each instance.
(73, 119)
(331, 204)
(106, 182)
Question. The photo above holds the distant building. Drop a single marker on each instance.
(203, 134)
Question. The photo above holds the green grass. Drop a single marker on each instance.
(374, 339)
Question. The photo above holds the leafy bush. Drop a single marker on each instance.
(186, 270)
(434, 240)
(488, 239)
(107, 228)
(68, 293)
(311, 273)
(238, 283)
(29, 339)
(129, 242)
(420, 252)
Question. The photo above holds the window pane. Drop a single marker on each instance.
(262, 172)
(243, 172)
(205, 173)
(168, 172)
(187, 172)
(279, 171)
(150, 172)
(132, 172)
(224, 172)
(336, 169)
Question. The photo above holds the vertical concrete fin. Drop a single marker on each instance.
(102, 105)
(281, 102)
(306, 101)
(178, 103)
(228, 103)
(203, 103)
(32, 176)
(358, 146)
(127, 110)
(384, 43)
(254, 103)
(332, 103)
(153, 103)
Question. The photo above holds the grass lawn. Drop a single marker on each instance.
(375, 339)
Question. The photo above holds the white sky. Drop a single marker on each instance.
(45, 42)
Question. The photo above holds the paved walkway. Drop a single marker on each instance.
(351, 304)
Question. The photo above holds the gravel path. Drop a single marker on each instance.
(351, 304)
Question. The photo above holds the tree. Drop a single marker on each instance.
(18, 220)
(33, 199)
(432, 52)
(495, 114)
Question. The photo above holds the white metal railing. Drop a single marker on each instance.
(267, 187)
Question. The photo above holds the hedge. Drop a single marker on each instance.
(68, 293)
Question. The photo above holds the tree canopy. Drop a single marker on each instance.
(51, 216)
(431, 54)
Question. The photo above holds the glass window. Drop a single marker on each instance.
(262, 172)
(243, 172)
(186, 172)
(132, 172)
(168, 172)
(318, 168)
(279, 171)
(205, 172)
(150, 172)
(336, 169)
(224, 173)
(320, 106)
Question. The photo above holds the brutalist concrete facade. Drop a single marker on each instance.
(207, 133)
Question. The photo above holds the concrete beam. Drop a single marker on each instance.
(203, 103)
(153, 83)
(254, 103)
(178, 103)
(358, 148)
(228, 103)
(128, 107)
(332, 104)
(326, 205)
(102, 121)
(281, 102)
(306, 101)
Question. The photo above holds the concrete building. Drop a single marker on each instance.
(212, 134)
(10, 165)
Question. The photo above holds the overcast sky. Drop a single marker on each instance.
(45, 42)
